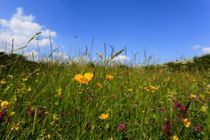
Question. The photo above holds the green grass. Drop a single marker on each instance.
(67, 117)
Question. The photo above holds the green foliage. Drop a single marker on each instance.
(47, 101)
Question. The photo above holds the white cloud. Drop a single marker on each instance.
(22, 27)
(122, 58)
(32, 55)
(60, 56)
(206, 50)
(196, 47)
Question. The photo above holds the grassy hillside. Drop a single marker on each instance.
(73, 101)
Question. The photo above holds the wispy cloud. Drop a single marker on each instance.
(202, 49)
(206, 50)
(21, 28)
(196, 47)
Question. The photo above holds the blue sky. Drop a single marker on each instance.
(166, 29)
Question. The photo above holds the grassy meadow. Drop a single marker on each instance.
(101, 101)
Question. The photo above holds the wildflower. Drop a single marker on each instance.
(29, 89)
(25, 79)
(103, 116)
(114, 95)
(48, 136)
(12, 113)
(63, 113)
(153, 87)
(192, 96)
(198, 128)
(4, 104)
(99, 84)
(39, 113)
(16, 128)
(204, 108)
(83, 79)
(110, 77)
(149, 122)
(121, 127)
(182, 109)
(37, 74)
(30, 112)
(2, 115)
(163, 109)
(3, 82)
(167, 129)
(100, 55)
(175, 138)
(186, 122)
(88, 125)
(130, 89)
(46, 113)
(96, 53)
(62, 96)
(54, 135)
(146, 89)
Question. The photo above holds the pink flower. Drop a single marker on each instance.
(63, 114)
(149, 122)
(30, 112)
(62, 96)
(177, 104)
(163, 109)
(114, 96)
(88, 125)
(121, 127)
(198, 128)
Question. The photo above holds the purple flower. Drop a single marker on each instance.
(121, 127)
(63, 114)
(62, 96)
(198, 128)
(149, 122)
(88, 125)
(2, 115)
(182, 109)
(90, 89)
(114, 96)
(39, 112)
(163, 109)
(177, 104)
(30, 111)
(167, 129)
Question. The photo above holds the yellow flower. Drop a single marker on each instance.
(208, 92)
(4, 104)
(29, 89)
(16, 128)
(130, 89)
(193, 80)
(46, 113)
(153, 87)
(204, 108)
(110, 77)
(12, 113)
(3, 82)
(96, 53)
(25, 79)
(186, 122)
(192, 96)
(83, 79)
(99, 84)
(48, 136)
(175, 138)
(100, 55)
(103, 116)
(146, 89)
(37, 74)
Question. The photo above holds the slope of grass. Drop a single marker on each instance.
(44, 101)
